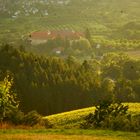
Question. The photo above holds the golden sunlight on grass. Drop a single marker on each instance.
(73, 119)
(55, 137)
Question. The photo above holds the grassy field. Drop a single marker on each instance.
(67, 134)
(73, 119)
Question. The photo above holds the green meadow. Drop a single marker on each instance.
(67, 134)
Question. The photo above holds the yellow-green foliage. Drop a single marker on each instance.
(73, 119)
(7, 98)
(69, 119)
(134, 108)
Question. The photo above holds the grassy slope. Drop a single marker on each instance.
(74, 118)
(67, 120)
(67, 134)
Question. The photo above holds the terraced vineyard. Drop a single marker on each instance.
(103, 18)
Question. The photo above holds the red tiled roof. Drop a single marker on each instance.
(54, 34)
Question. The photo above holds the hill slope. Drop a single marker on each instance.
(73, 119)
(103, 17)
(80, 8)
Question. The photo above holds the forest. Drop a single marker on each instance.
(67, 83)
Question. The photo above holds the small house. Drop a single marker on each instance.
(42, 37)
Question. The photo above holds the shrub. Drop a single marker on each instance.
(47, 124)
(108, 110)
(32, 118)
(120, 122)
(135, 123)
(112, 116)
(16, 117)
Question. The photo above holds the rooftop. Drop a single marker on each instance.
(56, 34)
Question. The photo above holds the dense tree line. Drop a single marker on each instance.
(51, 85)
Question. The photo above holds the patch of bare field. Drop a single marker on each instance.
(135, 54)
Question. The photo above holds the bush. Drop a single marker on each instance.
(15, 117)
(124, 123)
(32, 118)
(47, 124)
(112, 116)
(108, 110)
(120, 122)
(135, 123)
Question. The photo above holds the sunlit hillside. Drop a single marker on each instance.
(69, 64)
(73, 119)
(103, 18)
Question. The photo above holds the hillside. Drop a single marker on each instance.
(52, 85)
(17, 8)
(103, 18)
(73, 119)
(82, 8)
